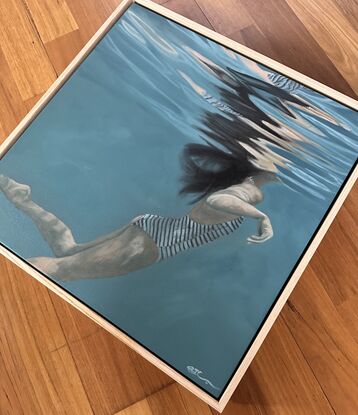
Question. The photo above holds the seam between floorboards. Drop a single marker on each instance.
(312, 371)
(74, 360)
(33, 24)
(205, 15)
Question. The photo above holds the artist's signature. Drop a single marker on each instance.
(196, 372)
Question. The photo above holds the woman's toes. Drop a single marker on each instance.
(21, 193)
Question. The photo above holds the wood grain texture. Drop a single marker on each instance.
(54, 360)
(331, 29)
(350, 9)
(225, 16)
(293, 43)
(280, 381)
(62, 50)
(35, 354)
(172, 400)
(113, 375)
(12, 108)
(189, 8)
(51, 18)
(23, 50)
(141, 407)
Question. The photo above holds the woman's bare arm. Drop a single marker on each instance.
(233, 205)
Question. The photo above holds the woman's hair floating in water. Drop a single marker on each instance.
(207, 168)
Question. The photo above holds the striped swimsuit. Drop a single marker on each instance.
(287, 84)
(174, 235)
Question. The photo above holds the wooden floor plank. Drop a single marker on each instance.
(73, 396)
(192, 404)
(106, 372)
(23, 51)
(91, 14)
(75, 325)
(152, 379)
(297, 48)
(63, 49)
(48, 380)
(29, 103)
(16, 392)
(350, 9)
(186, 8)
(344, 229)
(78, 327)
(111, 376)
(334, 33)
(348, 311)
(226, 16)
(253, 37)
(168, 401)
(280, 381)
(12, 109)
(328, 346)
(52, 18)
(175, 400)
(139, 408)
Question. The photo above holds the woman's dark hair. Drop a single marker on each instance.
(207, 169)
(238, 124)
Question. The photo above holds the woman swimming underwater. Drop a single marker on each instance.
(225, 173)
(147, 238)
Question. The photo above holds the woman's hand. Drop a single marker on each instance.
(264, 232)
(234, 205)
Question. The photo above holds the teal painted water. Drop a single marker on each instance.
(107, 148)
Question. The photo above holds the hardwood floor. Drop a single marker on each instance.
(54, 360)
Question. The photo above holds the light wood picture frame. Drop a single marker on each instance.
(220, 402)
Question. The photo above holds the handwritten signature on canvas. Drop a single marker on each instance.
(196, 372)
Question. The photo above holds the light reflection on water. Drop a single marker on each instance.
(308, 147)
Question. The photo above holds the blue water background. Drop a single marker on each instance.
(106, 149)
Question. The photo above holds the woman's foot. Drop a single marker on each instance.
(17, 193)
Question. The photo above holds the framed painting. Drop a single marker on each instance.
(173, 185)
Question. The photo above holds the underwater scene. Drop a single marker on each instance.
(172, 185)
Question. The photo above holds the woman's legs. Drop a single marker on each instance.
(129, 251)
(55, 232)
(118, 253)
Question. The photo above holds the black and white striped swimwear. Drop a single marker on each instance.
(173, 235)
(287, 84)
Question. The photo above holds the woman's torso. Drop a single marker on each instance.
(203, 224)
(203, 212)
(174, 235)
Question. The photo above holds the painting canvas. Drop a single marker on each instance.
(172, 185)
